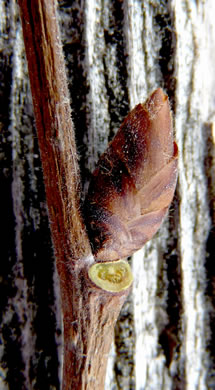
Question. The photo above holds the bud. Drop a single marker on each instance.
(134, 182)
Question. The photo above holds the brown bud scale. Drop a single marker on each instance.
(134, 182)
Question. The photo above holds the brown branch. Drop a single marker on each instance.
(89, 312)
(54, 127)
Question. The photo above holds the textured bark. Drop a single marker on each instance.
(117, 52)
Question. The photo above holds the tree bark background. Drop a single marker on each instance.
(116, 53)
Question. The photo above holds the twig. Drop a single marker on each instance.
(54, 127)
(89, 312)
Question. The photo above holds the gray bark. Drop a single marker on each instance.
(116, 53)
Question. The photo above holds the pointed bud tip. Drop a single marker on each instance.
(155, 102)
(158, 95)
